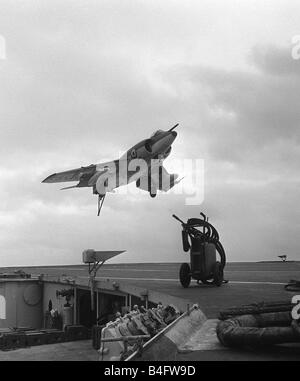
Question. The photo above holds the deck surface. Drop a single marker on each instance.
(248, 281)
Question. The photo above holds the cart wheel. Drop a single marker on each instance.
(185, 275)
(218, 274)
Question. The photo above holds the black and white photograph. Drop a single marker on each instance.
(149, 165)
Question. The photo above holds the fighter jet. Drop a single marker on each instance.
(142, 163)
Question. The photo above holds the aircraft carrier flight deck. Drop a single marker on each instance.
(246, 281)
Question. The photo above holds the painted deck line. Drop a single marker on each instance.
(117, 269)
(177, 280)
(170, 270)
(254, 282)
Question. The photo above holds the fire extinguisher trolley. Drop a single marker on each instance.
(203, 246)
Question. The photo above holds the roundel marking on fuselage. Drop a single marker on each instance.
(133, 153)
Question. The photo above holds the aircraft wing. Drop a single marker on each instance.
(71, 175)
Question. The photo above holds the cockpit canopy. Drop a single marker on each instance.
(156, 133)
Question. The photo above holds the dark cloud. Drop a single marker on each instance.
(242, 114)
(277, 61)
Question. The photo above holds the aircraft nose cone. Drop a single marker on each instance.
(174, 133)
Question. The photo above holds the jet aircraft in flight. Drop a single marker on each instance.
(142, 163)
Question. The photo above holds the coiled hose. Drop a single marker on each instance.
(209, 235)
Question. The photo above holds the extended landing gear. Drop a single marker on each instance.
(153, 194)
(101, 198)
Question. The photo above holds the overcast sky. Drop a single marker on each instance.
(84, 80)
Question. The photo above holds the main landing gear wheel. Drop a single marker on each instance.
(185, 275)
(153, 195)
(218, 274)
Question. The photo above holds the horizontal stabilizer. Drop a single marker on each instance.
(73, 186)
